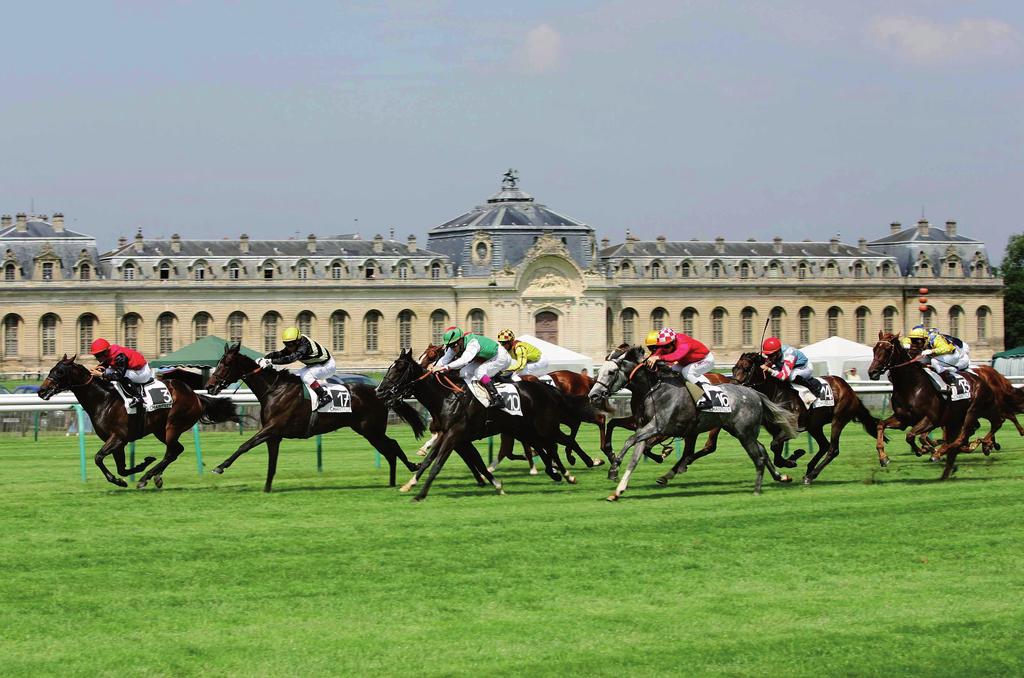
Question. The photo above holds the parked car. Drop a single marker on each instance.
(27, 388)
(349, 379)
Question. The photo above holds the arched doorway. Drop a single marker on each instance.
(545, 326)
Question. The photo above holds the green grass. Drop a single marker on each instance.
(868, 572)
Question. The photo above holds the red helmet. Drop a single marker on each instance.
(99, 346)
(771, 345)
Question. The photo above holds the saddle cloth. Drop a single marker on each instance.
(827, 399)
(719, 399)
(961, 391)
(509, 394)
(155, 396)
(341, 399)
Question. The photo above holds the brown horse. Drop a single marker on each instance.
(116, 428)
(286, 413)
(918, 405)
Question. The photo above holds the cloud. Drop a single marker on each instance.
(926, 42)
(542, 48)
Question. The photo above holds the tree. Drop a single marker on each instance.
(1012, 271)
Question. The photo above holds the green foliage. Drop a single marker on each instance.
(868, 572)
(1012, 270)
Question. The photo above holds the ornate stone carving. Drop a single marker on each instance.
(548, 244)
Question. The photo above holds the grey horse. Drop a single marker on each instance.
(665, 408)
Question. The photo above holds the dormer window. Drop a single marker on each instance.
(234, 271)
(268, 272)
(716, 270)
(336, 271)
(199, 272)
(302, 272)
(47, 270)
(403, 272)
(685, 269)
(801, 271)
(85, 272)
(165, 271)
(370, 272)
(858, 270)
(744, 270)
(9, 272)
(435, 271)
(774, 271)
(655, 270)
(128, 272)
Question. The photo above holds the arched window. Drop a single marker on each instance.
(199, 271)
(747, 316)
(234, 270)
(438, 324)
(924, 267)
(928, 317)
(775, 326)
(628, 318)
(435, 271)
(85, 272)
(803, 270)
(236, 327)
(403, 271)
(774, 269)
(655, 270)
(658, 318)
(625, 268)
(889, 314)
(48, 334)
(476, 321)
(370, 270)
(744, 270)
(718, 326)
(338, 331)
(858, 270)
(806, 319)
(270, 323)
(130, 330)
(164, 271)
(268, 270)
(831, 270)
(980, 269)
(372, 323)
(200, 325)
(953, 267)
(956, 314)
(861, 321)
(716, 269)
(304, 321)
(689, 321)
(128, 272)
(685, 270)
(405, 330)
(302, 270)
(10, 272)
(47, 270)
(834, 315)
(886, 270)
(165, 333)
(86, 332)
(982, 319)
(337, 270)
(11, 326)
(545, 326)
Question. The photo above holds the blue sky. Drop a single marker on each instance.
(689, 119)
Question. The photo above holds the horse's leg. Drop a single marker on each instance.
(1020, 429)
(386, 448)
(422, 468)
(613, 468)
(685, 460)
(969, 424)
(443, 451)
(476, 465)
(529, 453)
(172, 450)
(262, 436)
(638, 451)
(711, 444)
(891, 422)
(108, 448)
(569, 440)
(759, 456)
(425, 447)
(121, 463)
(273, 447)
(831, 448)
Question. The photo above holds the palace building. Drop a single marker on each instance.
(509, 262)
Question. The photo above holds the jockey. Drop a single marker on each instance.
(126, 365)
(685, 355)
(527, 360)
(477, 358)
(789, 364)
(944, 354)
(319, 364)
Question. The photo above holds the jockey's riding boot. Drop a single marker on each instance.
(704, 403)
(492, 391)
(134, 391)
(811, 384)
(948, 376)
(322, 396)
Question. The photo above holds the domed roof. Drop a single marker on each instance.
(510, 208)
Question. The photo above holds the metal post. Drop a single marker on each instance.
(80, 413)
(199, 448)
(36, 428)
(319, 453)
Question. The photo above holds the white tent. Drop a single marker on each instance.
(558, 357)
(836, 355)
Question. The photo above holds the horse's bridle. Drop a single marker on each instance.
(889, 368)
(61, 388)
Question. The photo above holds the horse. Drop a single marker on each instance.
(462, 419)
(848, 407)
(918, 405)
(286, 413)
(116, 428)
(666, 409)
(431, 394)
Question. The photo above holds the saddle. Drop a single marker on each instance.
(961, 390)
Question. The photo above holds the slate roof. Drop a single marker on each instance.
(26, 245)
(913, 234)
(706, 249)
(334, 247)
(510, 208)
(908, 245)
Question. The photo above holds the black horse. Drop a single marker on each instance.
(285, 413)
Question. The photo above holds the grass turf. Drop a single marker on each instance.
(868, 572)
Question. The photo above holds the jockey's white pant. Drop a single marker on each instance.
(957, 360)
(143, 375)
(694, 372)
(475, 371)
(535, 369)
(311, 373)
(805, 371)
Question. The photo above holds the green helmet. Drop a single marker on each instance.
(451, 335)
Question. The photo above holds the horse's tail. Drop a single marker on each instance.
(866, 419)
(774, 414)
(218, 410)
(410, 416)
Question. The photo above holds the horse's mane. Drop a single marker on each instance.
(634, 353)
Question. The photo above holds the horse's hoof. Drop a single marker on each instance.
(533, 471)
(404, 488)
(158, 481)
(785, 463)
(996, 446)
(571, 459)
(662, 481)
(807, 480)
(933, 458)
(597, 462)
(757, 493)
(481, 482)
(613, 474)
(420, 453)
(785, 479)
(571, 479)
(218, 470)
(149, 460)
(883, 462)
(141, 484)
(416, 500)
(490, 469)
(612, 497)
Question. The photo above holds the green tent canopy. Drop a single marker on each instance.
(1010, 353)
(206, 352)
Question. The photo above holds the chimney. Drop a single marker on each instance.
(661, 243)
(22, 222)
(922, 227)
(895, 227)
(833, 244)
(720, 245)
(58, 222)
(378, 243)
(777, 244)
(243, 243)
(605, 242)
(175, 243)
(951, 229)
(862, 244)
(122, 242)
(311, 242)
(411, 243)
(5, 221)
(139, 241)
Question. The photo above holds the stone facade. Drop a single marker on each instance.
(366, 299)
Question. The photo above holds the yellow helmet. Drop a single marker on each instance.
(290, 334)
(918, 332)
(652, 338)
(506, 335)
